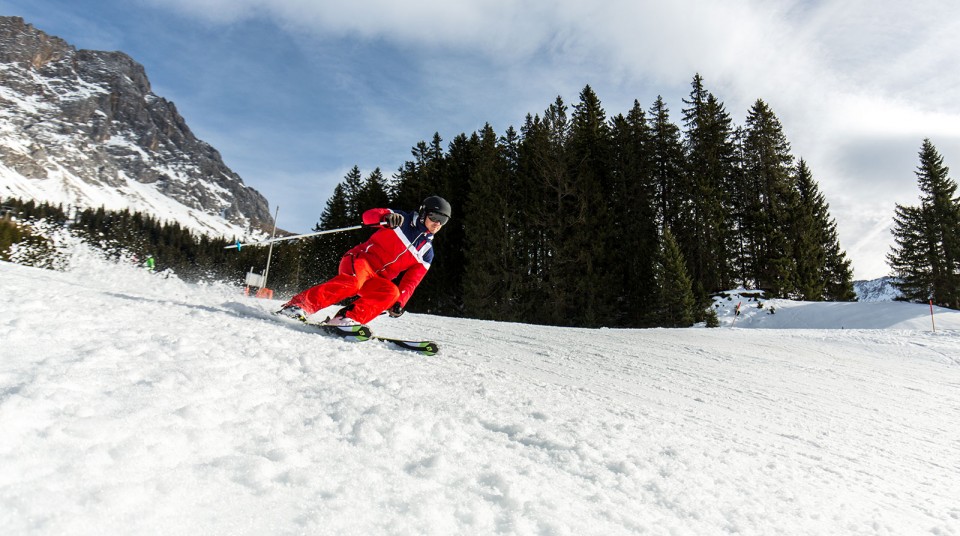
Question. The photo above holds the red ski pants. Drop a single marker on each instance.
(356, 277)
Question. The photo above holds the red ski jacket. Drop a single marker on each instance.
(406, 250)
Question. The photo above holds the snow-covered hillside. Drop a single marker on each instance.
(136, 404)
(759, 312)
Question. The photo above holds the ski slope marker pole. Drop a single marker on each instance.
(273, 237)
(238, 245)
(932, 323)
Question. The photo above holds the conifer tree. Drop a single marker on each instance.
(532, 201)
(549, 189)
(633, 200)
(585, 262)
(676, 307)
(373, 193)
(517, 196)
(910, 255)
(668, 164)
(704, 230)
(741, 201)
(838, 271)
(491, 277)
(443, 289)
(822, 270)
(808, 251)
(423, 176)
(926, 253)
(352, 186)
(10, 233)
(767, 173)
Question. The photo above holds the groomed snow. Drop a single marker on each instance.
(135, 404)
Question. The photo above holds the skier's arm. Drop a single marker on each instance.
(408, 283)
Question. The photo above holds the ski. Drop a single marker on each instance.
(355, 333)
(421, 347)
(361, 333)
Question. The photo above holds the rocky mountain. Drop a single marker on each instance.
(83, 128)
(876, 290)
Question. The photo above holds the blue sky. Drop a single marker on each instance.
(293, 93)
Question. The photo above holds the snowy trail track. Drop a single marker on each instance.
(134, 404)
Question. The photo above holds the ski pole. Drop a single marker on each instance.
(238, 245)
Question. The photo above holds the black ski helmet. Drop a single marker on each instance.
(436, 205)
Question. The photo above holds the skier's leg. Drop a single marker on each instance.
(376, 295)
(340, 287)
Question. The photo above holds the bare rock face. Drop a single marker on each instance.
(84, 126)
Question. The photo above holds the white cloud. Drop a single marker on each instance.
(857, 84)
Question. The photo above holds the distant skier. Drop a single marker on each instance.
(403, 246)
(150, 264)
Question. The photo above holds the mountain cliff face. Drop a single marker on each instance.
(83, 128)
(877, 290)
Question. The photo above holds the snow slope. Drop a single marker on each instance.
(135, 404)
(759, 312)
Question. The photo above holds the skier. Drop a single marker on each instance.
(402, 246)
(150, 264)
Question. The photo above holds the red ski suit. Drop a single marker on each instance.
(368, 270)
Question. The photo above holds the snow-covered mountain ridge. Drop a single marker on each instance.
(131, 403)
(83, 128)
(876, 290)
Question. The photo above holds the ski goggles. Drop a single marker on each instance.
(437, 217)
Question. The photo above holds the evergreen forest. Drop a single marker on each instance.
(576, 219)
(588, 220)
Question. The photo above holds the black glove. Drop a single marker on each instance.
(396, 310)
(392, 220)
